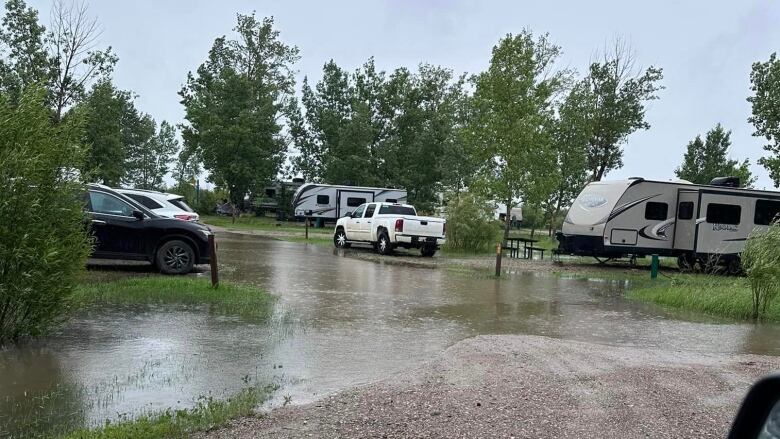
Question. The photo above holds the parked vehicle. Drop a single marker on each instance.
(390, 225)
(163, 204)
(331, 202)
(696, 223)
(125, 229)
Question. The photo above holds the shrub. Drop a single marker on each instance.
(761, 262)
(470, 223)
(43, 238)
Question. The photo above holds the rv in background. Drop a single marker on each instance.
(330, 202)
(698, 224)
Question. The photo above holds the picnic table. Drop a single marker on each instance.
(514, 245)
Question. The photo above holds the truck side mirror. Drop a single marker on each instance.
(348, 215)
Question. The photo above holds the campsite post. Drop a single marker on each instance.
(498, 260)
(654, 267)
(213, 262)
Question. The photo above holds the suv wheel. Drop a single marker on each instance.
(175, 257)
(383, 245)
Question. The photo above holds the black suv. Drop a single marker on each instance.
(124, 229)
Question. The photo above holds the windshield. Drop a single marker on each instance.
(179, 202)
(396, 210)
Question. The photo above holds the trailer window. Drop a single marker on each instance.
(323, 199)
(766, 212)
(354, 202)
(656, 211)
(685, 210)
(723, 213)
(391, 200)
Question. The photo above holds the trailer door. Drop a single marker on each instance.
(685, 223)
(350, 200)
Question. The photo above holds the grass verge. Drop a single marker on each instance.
(229, 298)
(718, 296)
(207, 414)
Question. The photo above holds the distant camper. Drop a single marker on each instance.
(331, 202)
(638, 217)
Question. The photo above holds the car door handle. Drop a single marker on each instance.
(98, 222)
(369, 221)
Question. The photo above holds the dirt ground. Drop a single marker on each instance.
(508, 386)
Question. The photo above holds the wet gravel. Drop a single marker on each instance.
(507, 386)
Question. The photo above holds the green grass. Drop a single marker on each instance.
(207, 414)
(718, 296)
(229, 298)
(251, 222)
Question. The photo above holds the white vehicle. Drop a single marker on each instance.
(390, 225)
(163, 204)
(332, 202)
(696, 223)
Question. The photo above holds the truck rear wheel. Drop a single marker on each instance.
(428, 251)
(383, 244)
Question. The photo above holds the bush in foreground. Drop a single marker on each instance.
(43, 239)
(761, 262)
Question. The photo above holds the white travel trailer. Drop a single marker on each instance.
(637, 217)
(331, 202)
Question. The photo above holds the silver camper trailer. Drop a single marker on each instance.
(638, 217)
(330, 202)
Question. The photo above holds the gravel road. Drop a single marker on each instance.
(506, 386)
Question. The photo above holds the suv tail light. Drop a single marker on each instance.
(184, 217)
(399, 225)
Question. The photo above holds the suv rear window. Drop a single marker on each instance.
(145, 201)
(396, 210)
(179, 202)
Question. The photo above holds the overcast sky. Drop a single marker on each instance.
(705, 48)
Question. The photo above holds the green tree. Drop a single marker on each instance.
(619, 97)
(470, 223)
(65, 59)
(104, 109)
(41, 253)
(765, 102)
(339, 133)
(705, 160)
(571, 133)
(235, 104)
(148, 159)
(511, 128)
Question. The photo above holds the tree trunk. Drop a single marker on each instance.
(507, 220)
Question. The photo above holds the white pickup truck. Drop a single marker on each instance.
(387, 226)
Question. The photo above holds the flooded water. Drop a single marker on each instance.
(339, 322)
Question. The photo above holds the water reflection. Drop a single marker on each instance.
(339, 322)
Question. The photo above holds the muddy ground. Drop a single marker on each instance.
(506, 386)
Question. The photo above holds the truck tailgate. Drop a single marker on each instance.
(423, 226)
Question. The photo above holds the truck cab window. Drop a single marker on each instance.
(656, 211)
(358, 213)
(723, 213)
(370, 210)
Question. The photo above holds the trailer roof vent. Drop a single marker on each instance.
(725, 181)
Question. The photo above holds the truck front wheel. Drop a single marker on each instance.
(383, 244)
(340, 239)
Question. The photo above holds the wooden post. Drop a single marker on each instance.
(213, 262)
(307, 228)
(498, 260)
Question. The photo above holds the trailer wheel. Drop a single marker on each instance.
(340, 239)
(383, 245)
(685, 262)
(734, 267)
